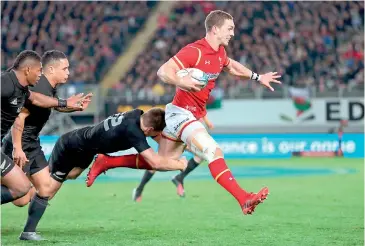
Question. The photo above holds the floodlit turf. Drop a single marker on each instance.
(301, 210)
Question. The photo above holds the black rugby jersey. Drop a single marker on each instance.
(38, 116)
(118, 132)
(13, 97)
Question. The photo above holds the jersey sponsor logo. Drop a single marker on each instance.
(212, 76)
(220, 62)
(180, 123)
(207, 62)
(14, 102)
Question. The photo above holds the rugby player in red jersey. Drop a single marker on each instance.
(189, 105)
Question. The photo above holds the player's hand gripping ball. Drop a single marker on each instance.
(196, 74)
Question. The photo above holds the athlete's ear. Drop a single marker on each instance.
(215, 29)
(149, 131)
(27, 71)
(51, 69)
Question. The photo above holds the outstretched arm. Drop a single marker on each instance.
(237, 69)
(74, 102)
(43, 101)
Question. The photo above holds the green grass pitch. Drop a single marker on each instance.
(301, 210)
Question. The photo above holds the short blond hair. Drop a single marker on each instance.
(216, 18)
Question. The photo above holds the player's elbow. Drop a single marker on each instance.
(161, 72)
(164, 73)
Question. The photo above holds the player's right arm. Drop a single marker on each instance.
(44, 101)
(187, 57)
(84, 105)
(162, 163)
(19, 156)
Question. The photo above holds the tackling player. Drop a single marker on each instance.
(100, 165)
(25, 72)
(75, 150)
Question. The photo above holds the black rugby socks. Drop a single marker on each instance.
(35, 212)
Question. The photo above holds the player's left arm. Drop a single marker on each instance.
(19, 156)
(237, 69)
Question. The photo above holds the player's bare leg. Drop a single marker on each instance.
(25, 200)
(14, 184)
(203, 145)
(174, 148)
(75, 173)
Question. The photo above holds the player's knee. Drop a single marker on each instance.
(21, 204)
(23, 201)
(205, 147)
(218, 153)
(21, 189)
(46, 189)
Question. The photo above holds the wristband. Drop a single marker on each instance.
(255, 76)
(62, 103)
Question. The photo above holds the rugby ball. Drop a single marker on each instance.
(196, 74)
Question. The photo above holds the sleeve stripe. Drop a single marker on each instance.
(178, 62)
(199, 56)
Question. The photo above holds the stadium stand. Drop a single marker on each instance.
(92, 34)
(318, 44)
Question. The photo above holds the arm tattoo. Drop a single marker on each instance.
(18, 127)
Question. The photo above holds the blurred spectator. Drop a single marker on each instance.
(92, 34)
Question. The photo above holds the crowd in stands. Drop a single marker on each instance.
(92, 34)
(309, 43)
